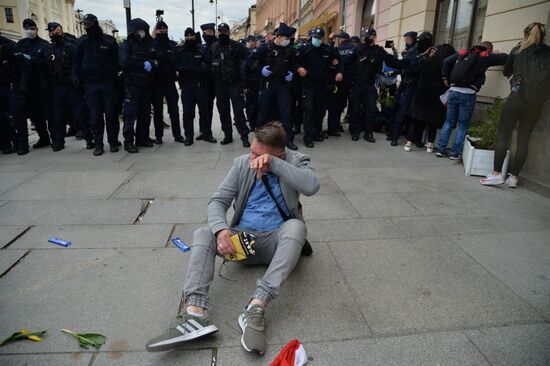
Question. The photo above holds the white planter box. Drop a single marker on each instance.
(480, 162)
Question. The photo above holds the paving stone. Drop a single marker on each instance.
(123, 294)
(97, 236)
(48, 359)
(440, 203)
(382, 205)
(172, 184)
(514, 345)
(146, 165)
(70, 212)
(8, 233)
(173, 358)
(8, 258)
(426, 284)
(177, 211)
(66, 185)
(185, 233)
(12, 179)
(351, 229)
(450, 348)
(328, 207)
(442, 225)
(521, 260)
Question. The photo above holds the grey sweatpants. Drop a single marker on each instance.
(279, 249)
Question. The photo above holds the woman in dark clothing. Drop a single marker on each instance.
(426, 110)
(529, 66)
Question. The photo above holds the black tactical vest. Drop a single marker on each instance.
(225, 63)
(279, 60)
(366, 65)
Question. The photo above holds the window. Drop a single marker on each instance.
(460, 22)
(9, 15)
(369, 11)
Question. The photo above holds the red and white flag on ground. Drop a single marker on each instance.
(293, 354)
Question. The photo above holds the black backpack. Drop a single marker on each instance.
(466, 70)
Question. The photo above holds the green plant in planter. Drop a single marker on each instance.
(483, 133)
(385, 99)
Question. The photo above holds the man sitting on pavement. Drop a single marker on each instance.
(265, 186)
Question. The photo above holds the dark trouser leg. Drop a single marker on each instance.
(356, 100)
(403, 100)
(7, 109)
(308, 104)
(211, 86)
(252, 106)
(320, 108)
(334, 103)
(143, 121)
(129, 115)
(60, 112)
(38, 107)
(431, 132)
(415, 131)
(171, 94)
(237, 102)
(284, 101)
(188, 100)
(110, 110)
(95, 102)
(80, 112)
(370, 108)
(159, 91)
(205, 125)
(224, 109)
(267, 97)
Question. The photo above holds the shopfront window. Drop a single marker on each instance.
(460, 22)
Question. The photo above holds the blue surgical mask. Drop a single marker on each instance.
(316, 42)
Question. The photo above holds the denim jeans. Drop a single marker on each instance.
(460, 107)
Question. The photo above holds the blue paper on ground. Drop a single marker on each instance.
(180, 244)
(61, 242)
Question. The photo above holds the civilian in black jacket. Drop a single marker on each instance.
(462, 92)
(137, 57)
(165, 84)
(529, 67)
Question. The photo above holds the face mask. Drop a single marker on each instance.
(162, 36)
(316, 42)
(31, 33)
(284, 42)
(93, 29)
(141, 33)
(249, 45)
(209, 39)
(189, 43)
(369, 40)
(56, 38)
(223, 38)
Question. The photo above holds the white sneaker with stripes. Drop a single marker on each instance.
(183, 329)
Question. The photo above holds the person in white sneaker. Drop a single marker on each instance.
(529, 67)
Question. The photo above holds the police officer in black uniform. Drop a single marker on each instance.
(165, 84)
(96, 65)
(193, 74)
(252, 84)
(338, 101)
(11, 63)
(137, 57)
(277, 63)
(67, 100)
(315, 61)
(209, 37)
(34, 86)
(227, 58)
(363, 64)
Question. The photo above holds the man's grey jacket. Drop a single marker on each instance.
(295, 176)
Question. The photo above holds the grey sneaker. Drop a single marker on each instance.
(252, 323)
(183, 329)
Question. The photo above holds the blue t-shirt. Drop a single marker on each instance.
(260, 212)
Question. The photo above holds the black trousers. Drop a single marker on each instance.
(137, 113)
(276, 96)
(314, 100)
(8, 99)
(100, 99)
(231, 95)
(195, 95)
(416, 131)
(363, 96)
(525, 115)
(252, 106)
(69, 105)
(166, 90)
(37, 107)
(403, 100)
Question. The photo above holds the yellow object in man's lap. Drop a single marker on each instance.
(244, 247)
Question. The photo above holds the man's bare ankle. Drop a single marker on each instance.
(257, 302)
(194, 310)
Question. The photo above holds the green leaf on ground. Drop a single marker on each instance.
(22, 335)
(87, 340)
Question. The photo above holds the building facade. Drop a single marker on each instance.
(12, 13)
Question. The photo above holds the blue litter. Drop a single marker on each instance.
(180, 244)
(61, 242)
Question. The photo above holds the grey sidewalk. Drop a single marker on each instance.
(413, 263)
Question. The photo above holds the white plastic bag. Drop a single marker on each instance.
(444, 97)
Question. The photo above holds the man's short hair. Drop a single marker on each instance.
(272, 134)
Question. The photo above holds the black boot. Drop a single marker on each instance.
(41, 143)
(369, 137)
(56, 147)
(144, 143)
(245, 141)
(394, 142)
(8, 150)
(114, 148)
(179, 139)
(227, 140)
(130, 147)
(98, 150)
(291, 145)
(210, 139)
(188, 142)
(355, 137)
(90, 145)
(158, 141)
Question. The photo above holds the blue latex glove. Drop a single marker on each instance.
(289, 76)
(266, 71)
(147, 66)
